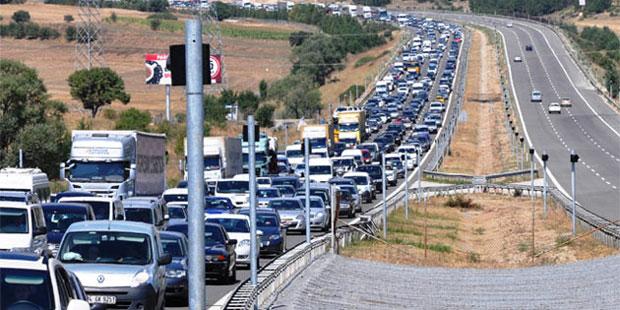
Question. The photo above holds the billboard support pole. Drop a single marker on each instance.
(168, 102)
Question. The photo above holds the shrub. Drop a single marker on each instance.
(264, 115)
(110, 114)
(21, 16)
(459, 201)
(68, 18)
(113, 17)
(46, 33)
(133, 119)
(70, 33)
(155, 23)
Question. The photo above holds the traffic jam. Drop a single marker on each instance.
(118, 237)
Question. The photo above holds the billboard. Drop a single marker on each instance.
(156, 72)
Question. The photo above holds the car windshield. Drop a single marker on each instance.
(216, 203)
(267, 193)
(285, 181)
(266, 220)
(348, 127)
(285, 204)
(175, 197)
(176, 213)
(232, 225)
(143, 215)
(213, 234)
(370, 169)
(349, 189)
(359, 180)
(318, 142)
(172, 247)
(106, 247)
(13, 221)
(320, 170)
(58, 220)
(98, 171)
(101, 209)
(343, 162)
(233, 187)
(316, 204)
(286, 190)
(294, 153)
(25, 287)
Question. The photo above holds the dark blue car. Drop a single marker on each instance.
(220, 257)
(218, 205)
(273, 240)
(286, 180)
(175, 244)
(72, 194)
(58, 218)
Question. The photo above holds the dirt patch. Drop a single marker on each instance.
(54, 14)
(495, 233)
(481, 144)
(600, 20)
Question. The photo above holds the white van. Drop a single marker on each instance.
(29, 180)
(22, 227)
(321, 169)
(105, 208)
(294, 154)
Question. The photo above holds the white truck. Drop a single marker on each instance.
(319, 135)
(26, 181)
(116, 163)
(222, 157)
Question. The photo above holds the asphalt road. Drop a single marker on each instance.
(590, 127)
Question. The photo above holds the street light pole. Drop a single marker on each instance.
(522, 152)
(307, 183)
(545, 157)
(252, 184)
(532, 200)
(384, 198)
(417, 163)
(573, 159)
(406, 186)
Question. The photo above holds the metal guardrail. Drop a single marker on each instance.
(470, 178)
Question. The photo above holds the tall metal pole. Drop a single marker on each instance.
(21, 158)
(545, 157)
(406, 186)
(252, 172)
(286, 133)
(168, 103)
(307, 184)
(532, 200)
(195, 163)
(417, 162)
(333, 217)
(383, 185)
(573, 159)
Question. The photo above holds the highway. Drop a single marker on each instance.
(590, 127)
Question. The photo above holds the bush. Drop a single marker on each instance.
(597, 6)
(110, 114)
(21, 16)
(68, 18)
(155, 23)
(70, 33)
(264, 115)
(601, 38)
(113, 17)
(46, 33)
(133, 119)
(459, 201)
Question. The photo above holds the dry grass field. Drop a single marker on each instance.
(495, 233)
(481, 144)
(600, 20)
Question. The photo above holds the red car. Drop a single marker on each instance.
(366, 157)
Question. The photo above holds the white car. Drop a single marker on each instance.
(22, 228)
(536, 96)
(30, 281)
(509, 25)
(555, 107)
(237, 227)
(565, 102)
(518, 59)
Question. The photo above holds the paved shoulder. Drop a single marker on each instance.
(335, 282)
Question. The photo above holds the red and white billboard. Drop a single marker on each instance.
(215, 63)
(156, 72)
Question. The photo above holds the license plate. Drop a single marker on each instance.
(100, 299)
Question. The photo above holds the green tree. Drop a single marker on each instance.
(248, 102)
(297, 38)
(597, 6)
(215, 111)
(157, 5)
(21, 16)
(44, 145)
(262, 89)
(68, 18)
(299, 95)
(70, 33)
(113, 17)
(155, 23)
(264, 115)
(133, 119)
(97, 87)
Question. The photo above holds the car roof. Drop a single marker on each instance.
(65, 206)
(105, 225)
(86, 199)
(176, 190)
(14, 204)
(22, 260)
(171, 235)
(265, 210)
(227, 216)
(356, 174)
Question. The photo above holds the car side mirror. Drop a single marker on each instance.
(164, 259)
(78, 304)
(231, 242)
(132, 171)
(41, 230)
(166, 217)
(259, 232)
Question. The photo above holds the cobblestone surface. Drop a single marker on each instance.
(335, 282)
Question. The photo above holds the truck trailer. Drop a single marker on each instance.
(116, 163)
(222, 157)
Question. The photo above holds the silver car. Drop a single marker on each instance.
(536, 96)
(119, 263)
(319, 214)
(291, 213)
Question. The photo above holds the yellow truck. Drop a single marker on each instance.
(352, 127)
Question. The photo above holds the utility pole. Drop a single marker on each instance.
(21, 158)
(167, 102)
(307, 183)
(574, 158)
(417, 162)
(252, 185)
(383, 185)
(406, 186)
(545, 157)
(195, 163)
(532, 200)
